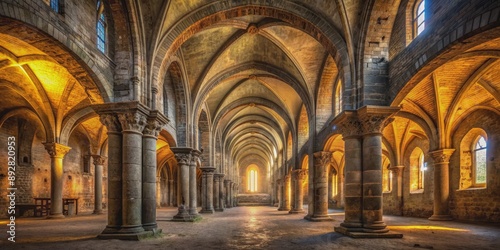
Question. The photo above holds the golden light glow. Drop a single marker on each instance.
(425, 227)
(252, 178)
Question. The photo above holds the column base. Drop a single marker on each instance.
(361, 233)
(150, 227)
(56, 216)
(298, 211)
(219, 210)
(318, 218)
(187, 218)
(443, 217)
(97, 212)
(283, 209)
(207, 211)
(131, 236)
(131, 229)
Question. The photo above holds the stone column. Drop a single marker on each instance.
(363, 171)
(373, 120)
(441, 183)
(216, 193)
(397, 176)
(397, 171)
(193, 197)
(207, 190)
(57, 152)
(183, 157)
(235, 194)
(150, 135)
(133, 123)
(298, 175)
(227, 184)
(221, 193)
(320, 187)
(98, 164)
(286, 192)
(171, 193)
(279, 186)
(114, 173)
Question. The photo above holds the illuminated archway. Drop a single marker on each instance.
(252, 175)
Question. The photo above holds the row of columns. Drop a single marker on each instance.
(132, 133)
(187, 159)
(57, 152)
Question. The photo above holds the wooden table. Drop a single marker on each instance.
(42, 206)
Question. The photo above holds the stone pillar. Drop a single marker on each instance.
(207, 190)
(193, 191)
(279, 186)
(397, 171)
(286, 193)
(150, 135)
(397, 176)
(218, 206)
(320, 187)
(298, 175)
(114, 174)
(133, 123)
(221, 201)
(170, 193)
(363, 171)
(98, 164)
(183, 157)
(227, 184)
(372, 182)
(235, 194)
(57, 152)
(441, 183)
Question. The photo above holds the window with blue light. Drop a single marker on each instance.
(101, 27)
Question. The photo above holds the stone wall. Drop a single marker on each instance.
(478, 204)
(442, 31)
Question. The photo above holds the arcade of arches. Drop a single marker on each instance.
(374, 107)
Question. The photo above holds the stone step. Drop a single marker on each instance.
(254, 199)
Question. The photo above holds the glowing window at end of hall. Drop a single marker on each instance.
(252, 180)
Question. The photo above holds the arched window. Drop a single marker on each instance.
(418, 18)
(338, 98)
(479, 162)
(101, 27)
(417, 171)
(386, 175)
(54, 4)
(252, 180)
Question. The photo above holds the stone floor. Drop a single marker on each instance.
(250, 228)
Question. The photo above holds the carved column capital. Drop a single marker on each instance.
(442, 155)
(152, 128)
(322, 158)
(207, 169)
(56, 150)
(348, 124)
(299, 174)
(111, 122)
(375, 118)
(397, 169)
(154, 124)
(98, 159)
(132, 121)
